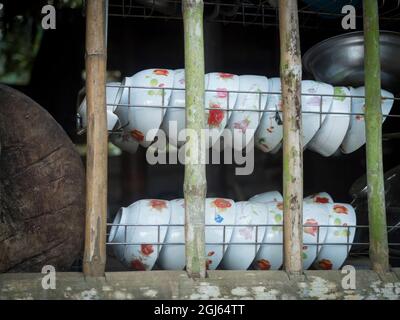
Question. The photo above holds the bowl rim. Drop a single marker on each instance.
(310, 53)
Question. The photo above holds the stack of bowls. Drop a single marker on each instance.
(249, 106)
(241, 235)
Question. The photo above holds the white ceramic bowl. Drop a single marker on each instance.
(144, 117)
(314, 100)
(240, 256)
(124, 141)
(221, 97)
(111, 101)
(320, 197)
(332, 256)
(219, 212)
(119, 231)
(172, 256)
(175, 114)
(267, 197)
(270, 254)
(330, 136)
(269, 133)
(355, 137)
(244, 123)
(315, 215)
(142, 256)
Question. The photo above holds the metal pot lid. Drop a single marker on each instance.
(340, 60)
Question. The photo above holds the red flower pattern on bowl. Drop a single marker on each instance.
(146, 249)
(340, 209)
(215, 118)
(137, 135)
(221, 204)
(279, 205)
(224, 75)
(138, 265)
(322, 200)
(161, 72)
(263, 264)
(311, 227)
(158, 204)
(222, 93)
(325, 264)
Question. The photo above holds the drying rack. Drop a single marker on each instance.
(245, 13)
(292, 282)
(359, 248)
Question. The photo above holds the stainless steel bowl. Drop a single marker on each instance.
(340, 60)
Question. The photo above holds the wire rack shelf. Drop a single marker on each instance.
(354, 247)
(312, 13)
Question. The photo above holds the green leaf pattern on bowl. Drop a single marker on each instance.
(339, 92)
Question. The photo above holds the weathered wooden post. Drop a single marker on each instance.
(290, 69)
(96, 163)
(195, 185)
(373, 127)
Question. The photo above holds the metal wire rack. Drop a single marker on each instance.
(260, 109)
(353, 248)
(312, 13)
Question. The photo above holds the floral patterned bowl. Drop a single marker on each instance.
(151, 214)
(124, 141)
(240, 256)
(269, 133)
(172, 256)
(120, 229)
(316, 97)
(111, 101)
(270, 254)
(315, 220)
(244, 123)
(355, 136)
(320, 197)
(332, 256)
(220, 96)
(175, 114)
(143, 115)
(329, 138)
(219, 212)
(267, 197)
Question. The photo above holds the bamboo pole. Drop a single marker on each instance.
(195, 185)
(290, 69)
(96, 163)
(373, 127)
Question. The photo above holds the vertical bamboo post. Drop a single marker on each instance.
(373, 127)
(290, 69)
(96, 163)
(195, 184)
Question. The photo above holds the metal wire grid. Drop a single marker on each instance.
(225, 242)
(248, 12)
(260, 109)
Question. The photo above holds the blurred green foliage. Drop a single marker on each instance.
(20, 37)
